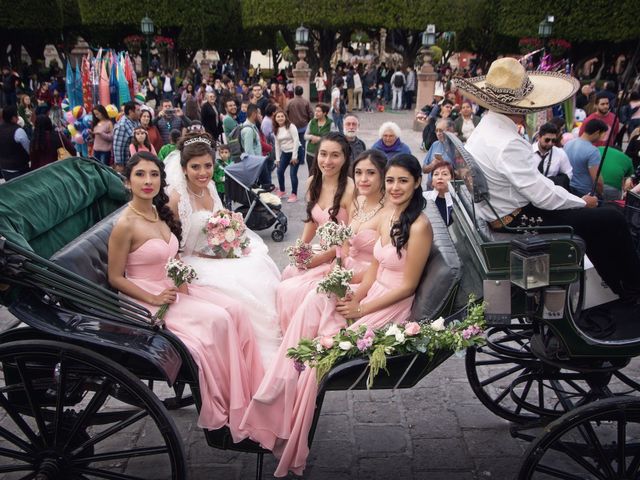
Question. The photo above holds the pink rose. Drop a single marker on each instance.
(326, 342)
(246, 250)
(412, 328)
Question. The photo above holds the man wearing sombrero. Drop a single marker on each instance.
(516, 187)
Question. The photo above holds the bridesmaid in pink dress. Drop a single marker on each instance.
(212, 326)
(281, 412)
(364, 215)
(329, 196)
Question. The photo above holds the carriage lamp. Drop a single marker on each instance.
(429, 36)
(529, 262)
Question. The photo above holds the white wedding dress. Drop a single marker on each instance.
(251, 279)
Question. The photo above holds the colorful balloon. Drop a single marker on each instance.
(65, 105)
(72, 129)
(79, 125)
(78, 111)
(69, 117)
(87, 120)
(112, 111)
(77, 138)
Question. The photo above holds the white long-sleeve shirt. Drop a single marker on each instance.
(287, 140)
(505, 159)
(556, 161)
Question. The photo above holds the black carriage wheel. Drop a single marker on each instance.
(64, 405)
(600, 440)
(277, 235)
(507, 356)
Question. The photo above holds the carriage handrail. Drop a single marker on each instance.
(51, 278)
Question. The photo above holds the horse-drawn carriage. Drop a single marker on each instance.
(87, 368)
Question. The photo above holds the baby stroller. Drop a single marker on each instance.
(260, 209)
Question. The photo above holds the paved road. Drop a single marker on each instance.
(437, 430)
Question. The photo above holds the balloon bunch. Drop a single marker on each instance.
(79, 122)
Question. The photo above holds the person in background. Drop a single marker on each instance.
(169, 118)
(230, 120)
(585, 157)
(242, 114)
(140, 142)
(174, 136)
(14, 145)
(102, 131)
(318, 127)
(336, 102)
(146, 121)
(389, 141)
(603, 114)
(466, 123)
(617, 169)
(320, 81)
(25, 110)
(300, 114)
(224, 159)
(287, 150)
(46, 142)
(550, 160)
(351, 126)
(122, 134)
(442, 175)
(210, 116)
(438, 152)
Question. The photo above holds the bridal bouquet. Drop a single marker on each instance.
(300, 254)
(333, 234)
(428, 338)
(336, 282)
(226, 235)
(180, 273)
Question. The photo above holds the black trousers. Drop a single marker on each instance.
(608, 241)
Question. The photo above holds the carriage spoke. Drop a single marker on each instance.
(28, 390)
(501, 375)
(62, 381)
(15, 468)
(622, 445)
(558, 473)
(573, 453)
(29, 476)
(5, 452)
(135, 452)
(19, 421)
(525, 392)
(17, 441)
(94, 404)
(591, 438)
(110, 431)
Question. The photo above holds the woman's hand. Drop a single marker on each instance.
(349, 307)
(294, 161)
(166, 296)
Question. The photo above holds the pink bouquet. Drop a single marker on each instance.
(300, 254)
(226, 235)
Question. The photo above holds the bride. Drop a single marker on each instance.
(251, 279)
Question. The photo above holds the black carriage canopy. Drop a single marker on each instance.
(47, 208)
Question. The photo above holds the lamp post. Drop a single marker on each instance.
(545, 27)
(302, 72)
(426, 76)
(146, 27)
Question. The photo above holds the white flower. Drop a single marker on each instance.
(237, 252)
(319, 347)
(346, 345)
(214, 241)
(438, 325)
(389, 350)
(393, 331)
(229, 235)
(400, 337)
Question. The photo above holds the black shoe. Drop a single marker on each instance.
(268, 187)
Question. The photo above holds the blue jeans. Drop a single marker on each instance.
(102, 157)
(285, 160)
(337, 119)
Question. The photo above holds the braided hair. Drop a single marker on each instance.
(401, 227)
(161, 200)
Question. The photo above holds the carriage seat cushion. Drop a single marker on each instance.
(442, 273)
(87, 255)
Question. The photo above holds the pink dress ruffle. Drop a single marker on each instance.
(215, 330)
(280, 415)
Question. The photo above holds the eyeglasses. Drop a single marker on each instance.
(439, 130)
(546, 140)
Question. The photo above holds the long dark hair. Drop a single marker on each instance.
(400, 229)
(276, 126)
(161, 200)
(42, 133)
(315, 187)
(103, 112)
(134, 140)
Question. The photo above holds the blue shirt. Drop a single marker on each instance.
(582, 155)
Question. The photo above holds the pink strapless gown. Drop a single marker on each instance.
(216, 331)
(319, 217)
(291, 293)
(281, 412)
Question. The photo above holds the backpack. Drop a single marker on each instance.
(342, 107)
(398, 81)
(235, 142)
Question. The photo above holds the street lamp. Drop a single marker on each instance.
(429, 36)
(146, 27)
(302, 37)
(545, 28)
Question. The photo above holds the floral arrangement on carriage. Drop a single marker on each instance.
(226, 235)
(323, 353)
(134, 43)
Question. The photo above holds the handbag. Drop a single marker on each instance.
(62, 151)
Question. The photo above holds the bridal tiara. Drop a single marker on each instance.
(197, 140)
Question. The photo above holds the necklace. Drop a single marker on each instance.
(197, 195)
(138, 212)
(364, 217)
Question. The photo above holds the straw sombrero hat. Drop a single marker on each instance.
(509, 88)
